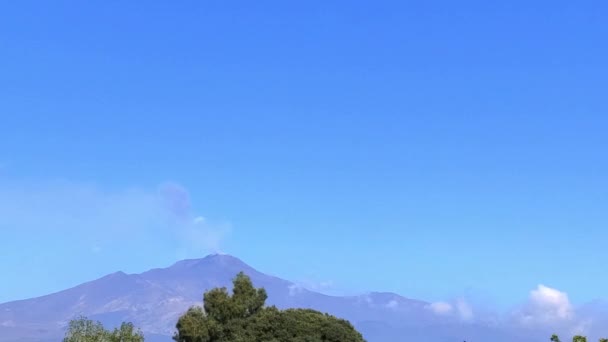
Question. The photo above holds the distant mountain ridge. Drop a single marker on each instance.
(153, 300)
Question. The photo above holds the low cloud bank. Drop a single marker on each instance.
(546, 311)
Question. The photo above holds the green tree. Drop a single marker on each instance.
(242, 317)
(86, 330)
(196, 326)
(126, 333)
(577, 338)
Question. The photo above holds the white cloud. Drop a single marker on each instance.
(295, 289)
(459, 308)
(366, 298)
(464, 309)
(550, 310)
(316, 286)
(393, 304)
(552, 300)
(546, 305)
(441, 308)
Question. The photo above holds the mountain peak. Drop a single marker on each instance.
(220, 256)
(217, 260)
(154, 300)
(115, 276)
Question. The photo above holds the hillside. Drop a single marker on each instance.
(154, 300)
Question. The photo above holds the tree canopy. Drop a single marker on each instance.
(242, 317)
(577, 338)
(86, 330)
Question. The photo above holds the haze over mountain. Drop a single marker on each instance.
(154, 300)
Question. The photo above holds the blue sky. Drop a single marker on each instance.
(432, 149)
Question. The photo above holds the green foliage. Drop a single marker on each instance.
(85, 330)
(195, 326)
(126, 333)
(577, 338)
(242, 317)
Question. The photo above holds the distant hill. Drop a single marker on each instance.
(154, 300)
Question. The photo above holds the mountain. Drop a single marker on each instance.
(154, 300)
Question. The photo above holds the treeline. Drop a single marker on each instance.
(238, 317)
(85, 330)
(577, 338)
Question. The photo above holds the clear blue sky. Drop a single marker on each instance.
(430, 148)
